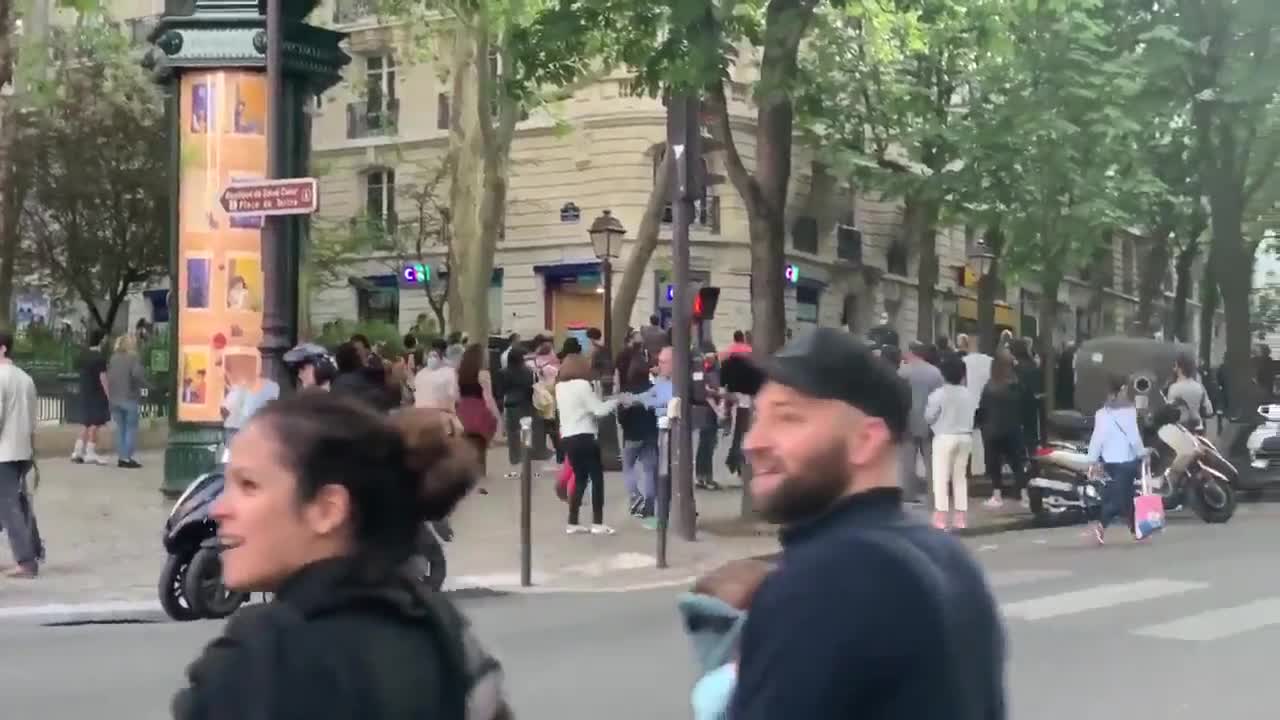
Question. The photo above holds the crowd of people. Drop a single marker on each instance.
(971, 414)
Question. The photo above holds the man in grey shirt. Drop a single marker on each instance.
(923, 379)
(1188, 395)
(17, 451)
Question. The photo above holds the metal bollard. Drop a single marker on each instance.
(662, 504)
(526, 502)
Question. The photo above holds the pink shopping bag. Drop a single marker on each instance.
(1148, 509)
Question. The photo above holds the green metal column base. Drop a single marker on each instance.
(192, 451)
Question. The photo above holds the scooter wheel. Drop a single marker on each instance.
(429, 562)
(173, 600)
(1213, 501)
(203, 587)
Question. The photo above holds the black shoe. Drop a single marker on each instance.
(130, 464)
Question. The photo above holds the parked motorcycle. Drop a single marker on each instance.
(1061, 491)
(191, 586)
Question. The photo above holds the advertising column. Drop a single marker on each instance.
(222, 129)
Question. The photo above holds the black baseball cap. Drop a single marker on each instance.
(829, 364)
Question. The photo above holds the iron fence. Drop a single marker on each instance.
(58, 400)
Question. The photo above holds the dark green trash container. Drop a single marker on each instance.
(72, 408)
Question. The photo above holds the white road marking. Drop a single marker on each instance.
(78, 609)
(1218, 624)
(1096, 598)
(1011, 578)
(988, 548)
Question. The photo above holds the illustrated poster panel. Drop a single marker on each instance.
(220, 290)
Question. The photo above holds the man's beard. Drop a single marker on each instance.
(811, 493)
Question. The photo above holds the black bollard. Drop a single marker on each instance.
(662, 505)
(526, 501)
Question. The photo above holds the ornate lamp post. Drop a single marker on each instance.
(606, 240)
(983, 260)
(235, 278)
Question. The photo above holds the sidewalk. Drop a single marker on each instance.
(103, 525)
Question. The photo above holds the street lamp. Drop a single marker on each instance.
(982, 259)
(606, 240)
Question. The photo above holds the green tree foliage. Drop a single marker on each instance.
(883, 96)
(95, 214)
(1222, 60)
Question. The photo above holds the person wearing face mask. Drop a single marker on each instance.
(323, 504)
(870, 613)
(436, 384)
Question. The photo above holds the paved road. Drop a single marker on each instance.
(1185, 627)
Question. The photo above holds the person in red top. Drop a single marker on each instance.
(739, 346)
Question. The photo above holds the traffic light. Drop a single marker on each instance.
(704, 303)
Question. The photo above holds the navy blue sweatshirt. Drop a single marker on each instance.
(872, 616)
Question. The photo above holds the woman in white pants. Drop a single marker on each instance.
(949, 412)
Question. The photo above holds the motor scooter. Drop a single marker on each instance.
(191, 580)
(191, 586)
(1060, 489)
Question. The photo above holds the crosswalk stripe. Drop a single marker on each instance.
(1011, 578)
(1098, 597)
(1219, 623)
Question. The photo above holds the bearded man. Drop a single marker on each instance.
(871, 614)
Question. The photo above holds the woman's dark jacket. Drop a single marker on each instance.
(330, 646)
(1000, 411)
(517, 391)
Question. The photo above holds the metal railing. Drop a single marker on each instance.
(58, 400)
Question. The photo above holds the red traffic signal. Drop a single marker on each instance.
(704, 303)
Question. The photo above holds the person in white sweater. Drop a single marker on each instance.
(949, 412)
(580, 410)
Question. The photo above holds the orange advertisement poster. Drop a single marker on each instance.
(223, 139)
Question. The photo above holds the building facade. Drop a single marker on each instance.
(379, 139)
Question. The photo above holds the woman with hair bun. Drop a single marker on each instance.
(324, 500)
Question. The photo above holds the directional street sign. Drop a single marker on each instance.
(291, 196)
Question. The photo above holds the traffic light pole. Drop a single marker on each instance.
(682, 140)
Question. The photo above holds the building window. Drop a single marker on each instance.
(378, 304)
(896, 259)
(380, 90)
(443, 120)
(804, 234)
(848, 243)
(807, 304)
(380, 197)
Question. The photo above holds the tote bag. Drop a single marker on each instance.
(1148, 508)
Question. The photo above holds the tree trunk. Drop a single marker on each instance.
(1103, 264)
(633, 273)
(1230, 254)
(922, 223)
(1151, 280)
(12, 196)
(764, 191)
(1049, 283)
(1208, 310)
(1182, 276)
(480, 148)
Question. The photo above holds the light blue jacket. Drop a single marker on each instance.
(715, 627)
(1116, 437)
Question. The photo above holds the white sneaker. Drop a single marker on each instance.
(602, 530)
(576, 530)
(95, 459)
(994, 501)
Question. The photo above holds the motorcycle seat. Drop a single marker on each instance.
(1069, 423)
